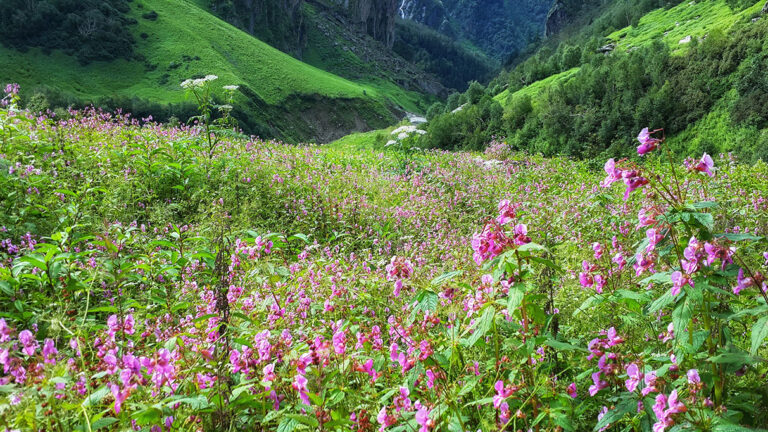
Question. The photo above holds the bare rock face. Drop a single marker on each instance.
(557, 18)
(374, 17)
(431, 13)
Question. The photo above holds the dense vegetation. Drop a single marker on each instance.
(497, 28)
(576, 100)
(280, 95)
(187, 278)
(454, 64)
(87, 29)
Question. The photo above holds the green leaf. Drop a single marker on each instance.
(738, 358)
(530, 247)
(287, 425)
(563, 346)
(661, 302)
(626, 406)
(148, 416)
(706, 220)
(445, 277)
(740, 237)
(681, 316)
(301, 237)
(660, 277)
(103, 422)
(759, 333)
(482, 326)
(426, 301)
(303, 419)
(95, 397)
(514, 298)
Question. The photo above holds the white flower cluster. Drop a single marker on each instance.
(231, 87)
(404, 132)
(195, 83)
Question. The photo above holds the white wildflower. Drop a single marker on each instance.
(231, 87)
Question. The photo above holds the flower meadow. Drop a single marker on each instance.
(186, 278)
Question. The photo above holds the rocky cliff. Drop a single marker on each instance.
(374, 17)
(498, 27)
(557, 18)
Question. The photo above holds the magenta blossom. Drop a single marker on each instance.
(705, 165)
(634, 376)
(647, 142)
(572, 390)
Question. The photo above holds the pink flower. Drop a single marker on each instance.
(506, 212)
(613, 337)
(430, 379)
(598, 384)
(340, 342)
(502, 393)
(678, 281)
(488, 244)
(647, 143)
(654, 237)
(693, 376)
(422, 418)
(49, 351)
(384, 419)
(300, 385)
(742, 282)
(269, 372)
(521, 235)
(120, 396)
(650, 383)
(614, 174)
(600, 416)
(5, 331)
(633, 372)
(705, 165)
(572, 390)
(30, 343)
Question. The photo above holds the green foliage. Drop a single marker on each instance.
(438, 54)
(87, 29)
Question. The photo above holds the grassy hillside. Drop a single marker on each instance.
(186, 41)
(695, 69)
(672, 26)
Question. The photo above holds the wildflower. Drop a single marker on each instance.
(598, 384)
(506, 212)
(231, 87)
(401, 400)
(647, 143)
(572, 390)
(29, 342)
(669, 334)
(5, 331)
(678, 281)
(430, 379)
(502, 393)
(269, 372)
(705, 165)
(422, 418)
(715, 251)
(300, 385)
(600, 416)
(384, 419)
(650, 383)
(49, 351)
(634, 374)
(521, 235)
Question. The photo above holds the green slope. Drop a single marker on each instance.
(186, 41)
(534, 89)
(695, 19)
